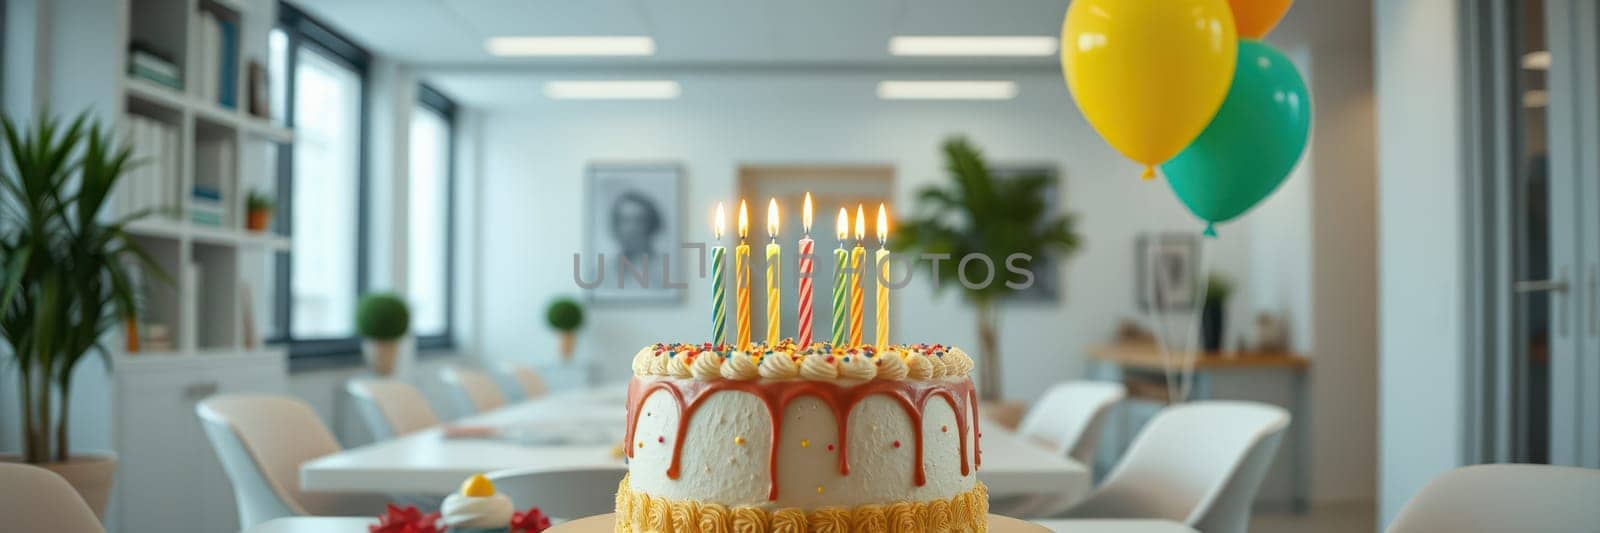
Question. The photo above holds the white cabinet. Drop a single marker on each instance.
(169, 476)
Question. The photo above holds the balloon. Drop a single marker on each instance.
(1251, 145)
(1148, 74)
(1254, 18)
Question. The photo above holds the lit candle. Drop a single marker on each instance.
(774, 274)
(841, 281)
(741, 280)
(856, 254)
(718, 307)
(807, 247)
(881, 259)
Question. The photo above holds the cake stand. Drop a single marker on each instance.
(606, 524)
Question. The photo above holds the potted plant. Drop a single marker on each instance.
(258, 211)
(975, 214)
(381, 320)
(65, 280)
(565, 316)
(1213, 315)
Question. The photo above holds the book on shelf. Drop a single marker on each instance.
(217, 65)
(149, 65)
(155, 166)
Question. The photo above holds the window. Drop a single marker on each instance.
(318, 81)
(429, 235)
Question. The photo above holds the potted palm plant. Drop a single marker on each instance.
(1213, 314)
(565, 316)
(974, 213)
(65, 280)
(382, 319)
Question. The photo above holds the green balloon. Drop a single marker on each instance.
(1251, 145)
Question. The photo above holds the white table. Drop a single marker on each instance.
(1114, 526)
(427, 463)
(314, 524)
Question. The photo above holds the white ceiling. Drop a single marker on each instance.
(451, 33)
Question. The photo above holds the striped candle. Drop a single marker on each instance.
(840, 279)
(741, 282)
(718, 307)
(807, 247)
(774, 289)
(856, 254)
(881, 261)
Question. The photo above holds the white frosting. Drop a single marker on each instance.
(707, 366)
(740, 366)
(725, 453)
(778, 365)
(896, 362)
(857, 366)
(478, 512)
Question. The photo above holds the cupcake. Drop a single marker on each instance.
(477, 508)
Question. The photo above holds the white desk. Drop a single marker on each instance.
(427, 463)
(314, 524)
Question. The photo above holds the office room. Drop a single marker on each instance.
(958, 265)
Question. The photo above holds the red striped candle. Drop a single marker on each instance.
(807, 246)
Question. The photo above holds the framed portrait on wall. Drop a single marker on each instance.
(1168, 271)
(631, 224)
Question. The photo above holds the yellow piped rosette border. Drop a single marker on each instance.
(967, 512)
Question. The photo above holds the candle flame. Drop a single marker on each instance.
(805, 215)
(861, 223)
(744, 220)
(844, 224)
(721, 221)
(772, 218)
(883, 225)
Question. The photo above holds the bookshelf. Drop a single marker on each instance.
(216, 308)
(187, 109)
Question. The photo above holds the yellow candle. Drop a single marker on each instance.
(741, 277)
(881, 260)
(774, 275)
(856, 254)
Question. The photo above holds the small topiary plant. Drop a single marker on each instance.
(382, 316)
(565, 315)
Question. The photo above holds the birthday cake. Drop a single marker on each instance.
(789, 439)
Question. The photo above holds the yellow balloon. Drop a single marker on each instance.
(1149, 74)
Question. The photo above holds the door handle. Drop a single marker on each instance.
(1557, 284)
(1540, 285)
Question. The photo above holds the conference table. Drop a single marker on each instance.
(530, 434)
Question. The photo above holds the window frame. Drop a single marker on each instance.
(436, 101)
(302, 30)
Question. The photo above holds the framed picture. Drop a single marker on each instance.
(631, 224)
(1046, 287)
(1168, 265)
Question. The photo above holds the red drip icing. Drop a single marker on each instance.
(911, 395)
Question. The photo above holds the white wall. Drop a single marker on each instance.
(1420, 245)
(533, 190)
(1308, 252)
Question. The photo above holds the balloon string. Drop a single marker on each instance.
(1179, 387)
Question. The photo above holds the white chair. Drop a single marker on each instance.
(561, 494)
(35, 499)
(1069, 417)
(1067, 421)
(391, 408)
(1114, 526)
(527, 379)
(1492, 498)
(262, 441)
(474, 391)
(1198, 464)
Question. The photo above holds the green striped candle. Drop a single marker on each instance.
(718, 317)
(840, 307)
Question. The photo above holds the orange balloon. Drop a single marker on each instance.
(1254, 18)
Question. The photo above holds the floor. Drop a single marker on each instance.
(1326, 518)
